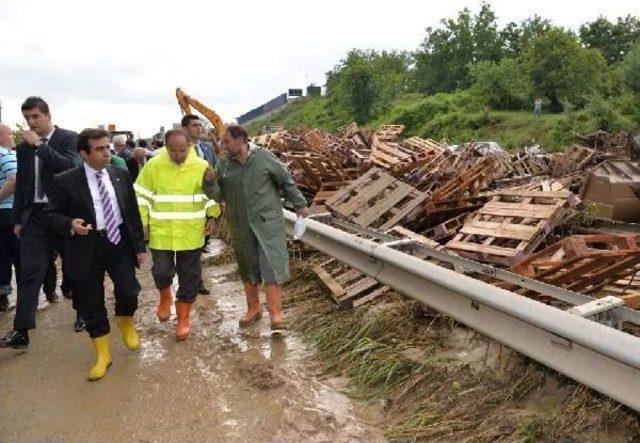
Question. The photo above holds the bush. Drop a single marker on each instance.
(631, 69)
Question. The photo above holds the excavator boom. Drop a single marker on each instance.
(186, 102)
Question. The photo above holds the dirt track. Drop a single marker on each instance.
(221, 384)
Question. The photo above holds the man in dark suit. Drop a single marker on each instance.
(94, 207)
(45, 151)
(193, 126)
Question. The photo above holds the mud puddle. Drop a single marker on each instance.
(222, 384)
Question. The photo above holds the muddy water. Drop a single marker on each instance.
(221, 384)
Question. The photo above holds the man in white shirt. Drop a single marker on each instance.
(94, 206)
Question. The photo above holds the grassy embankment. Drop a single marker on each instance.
(455, 117)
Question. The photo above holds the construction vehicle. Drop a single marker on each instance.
(186, 102)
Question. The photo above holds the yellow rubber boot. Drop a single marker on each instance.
(130, 336)
(164, 307)
(103, 358)
(183, 312)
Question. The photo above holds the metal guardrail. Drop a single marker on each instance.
(595, 355)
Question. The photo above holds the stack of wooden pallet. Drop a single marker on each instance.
(377, 200)
(511, 225)
(311, 170)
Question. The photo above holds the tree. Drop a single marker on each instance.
(366, 82)
(631, 69)
(614, 40)
(560, 69)
(502, 85)
(517, 37)
(443, 59)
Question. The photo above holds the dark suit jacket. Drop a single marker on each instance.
(134, 168)
(57, 155)
(71, 198)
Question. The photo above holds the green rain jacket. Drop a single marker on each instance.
(251, 194)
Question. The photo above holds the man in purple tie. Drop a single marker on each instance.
(94, 207)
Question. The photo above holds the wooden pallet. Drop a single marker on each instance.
(387, 132)
(349, 287)
(315, 169)
(575, 159)
(584, 263)
(327, 190)
(511, 225)
(528, 165)
(377, 200)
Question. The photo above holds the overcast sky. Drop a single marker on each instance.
(120, 61)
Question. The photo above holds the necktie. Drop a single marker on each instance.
(113, 233)
(39, 189)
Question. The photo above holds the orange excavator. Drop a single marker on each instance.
(186, 102)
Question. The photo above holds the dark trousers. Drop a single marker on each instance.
(188, 266)
(51, 277)
(118, 262)
(37, 245)
(9, 252)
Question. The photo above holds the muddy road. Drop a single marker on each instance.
(223, 384)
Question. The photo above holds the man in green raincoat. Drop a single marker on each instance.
(249, 180)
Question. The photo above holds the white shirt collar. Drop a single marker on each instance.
(48, 136)
(90, 170)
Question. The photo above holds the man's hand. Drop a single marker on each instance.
(208, 229)
(145, 230)
(32, 138)
(78, 226)
(17, 229)
(210, 175)
(141, 257)
(303, 212)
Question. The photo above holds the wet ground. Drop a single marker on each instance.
(223, 384)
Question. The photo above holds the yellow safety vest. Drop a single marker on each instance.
(172, 202)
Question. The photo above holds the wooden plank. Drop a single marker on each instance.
(542, 213)
(337, 290)
(471, 247)
(406, 210)
(500, 233)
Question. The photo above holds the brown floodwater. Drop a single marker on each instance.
(222, 384)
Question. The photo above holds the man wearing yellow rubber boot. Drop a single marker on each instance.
(94, 207)
(174, 210)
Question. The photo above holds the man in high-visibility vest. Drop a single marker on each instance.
(174, 211)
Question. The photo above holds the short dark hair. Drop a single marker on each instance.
(238, 131)
(34, 102)
(130, 143)
(159, 143)
(90, 134)
(188, 119)
(142, 143)
(171, 132)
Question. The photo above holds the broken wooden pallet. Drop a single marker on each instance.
(468, 183)
(377, 200)
(584, 263)
(511, 225)
(326, 191)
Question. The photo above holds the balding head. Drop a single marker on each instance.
(6, 136)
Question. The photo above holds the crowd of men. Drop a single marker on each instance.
(101, 203)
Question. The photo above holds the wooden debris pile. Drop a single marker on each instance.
(476, 201)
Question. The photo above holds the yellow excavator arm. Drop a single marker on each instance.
(186, 102)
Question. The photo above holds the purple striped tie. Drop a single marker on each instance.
(113, 233)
